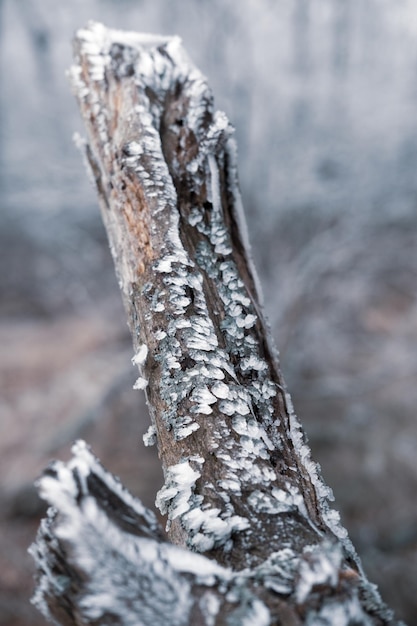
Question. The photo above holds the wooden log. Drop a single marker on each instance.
(240, 486)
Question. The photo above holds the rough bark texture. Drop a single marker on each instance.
(240, 486)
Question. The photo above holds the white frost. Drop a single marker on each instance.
(220, 390)
(215, 186)
(203, 395)
(141, 383)
(258, 613)
(184, 431)
(206, 570)
(175, 497)
(319, 565)
(278, 501)
(210, 606)
(164, 265)
(213, 529)
(149, 438)
(140, 356)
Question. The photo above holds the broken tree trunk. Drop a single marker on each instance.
(240, 486)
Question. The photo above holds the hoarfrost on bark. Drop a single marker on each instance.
(140, 356)
(245, 471)
(278, 572)
(343, 614)
(210, 528)
(141, 383)
(130, 576)
(183, 432)
(220, 390)
(278, 501)
(210, 606)
(178, 488)
(319, 565)
(252, 611)
(149, 438)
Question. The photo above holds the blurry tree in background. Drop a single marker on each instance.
(323, 96)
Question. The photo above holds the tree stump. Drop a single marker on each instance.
(253, 538)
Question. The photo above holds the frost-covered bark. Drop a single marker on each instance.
(102, 559)
(240, 486)
(119, 570)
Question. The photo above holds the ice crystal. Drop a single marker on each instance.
(319, 565)
(140, 356)
(149, 438)
(141, 383)
(178, 488)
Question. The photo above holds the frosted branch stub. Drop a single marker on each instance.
(240, 485)
(165, 170)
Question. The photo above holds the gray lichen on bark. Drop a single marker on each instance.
(240, 485)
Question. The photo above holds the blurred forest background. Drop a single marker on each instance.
(323, 95)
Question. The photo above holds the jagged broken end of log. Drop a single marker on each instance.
(240, 485)
(102, 558)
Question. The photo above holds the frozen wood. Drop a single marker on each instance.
(119, 570)
(240, 486)
(102, 559)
